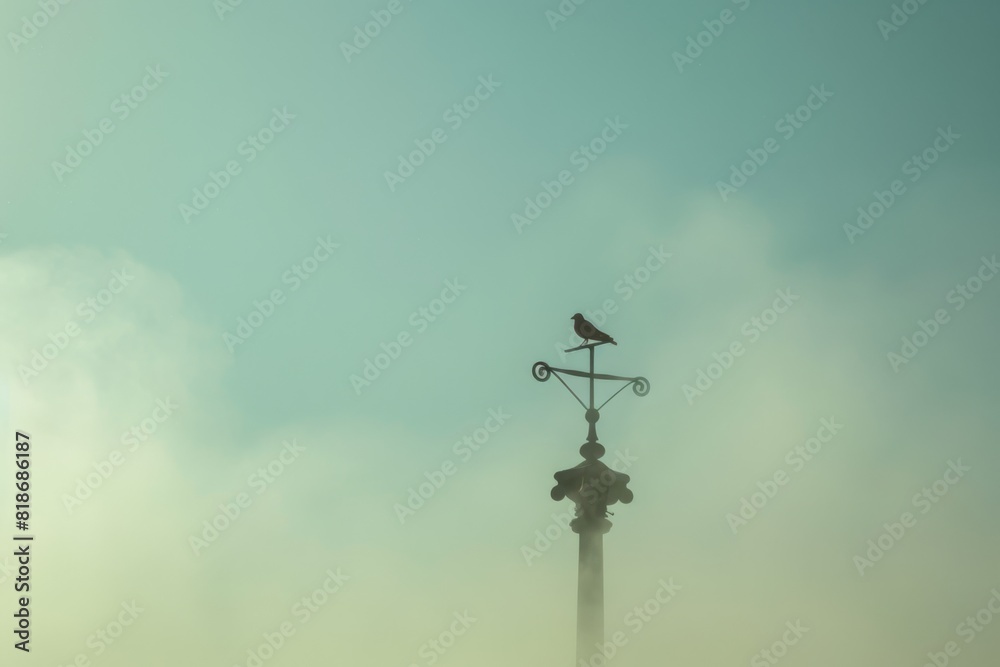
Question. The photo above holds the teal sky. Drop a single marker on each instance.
(890, 94)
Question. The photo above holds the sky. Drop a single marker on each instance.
(274, 277)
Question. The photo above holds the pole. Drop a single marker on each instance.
(591, 378)
(590, 595)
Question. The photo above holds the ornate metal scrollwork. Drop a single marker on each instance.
(541, 371)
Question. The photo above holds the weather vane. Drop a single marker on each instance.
(592, 486)
(592, 450)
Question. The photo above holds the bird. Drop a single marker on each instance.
(589, 332)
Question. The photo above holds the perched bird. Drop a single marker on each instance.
(589, 332)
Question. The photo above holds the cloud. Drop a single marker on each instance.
(330, 507)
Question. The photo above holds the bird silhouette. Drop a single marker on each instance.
(589, 332)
